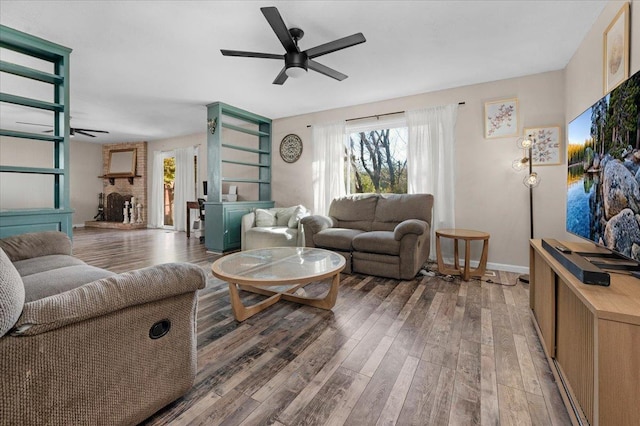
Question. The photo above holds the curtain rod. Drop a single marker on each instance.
(382, 115)
(173, 149)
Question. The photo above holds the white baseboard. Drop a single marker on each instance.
(491, 265)
(509, 268)
(79, 225)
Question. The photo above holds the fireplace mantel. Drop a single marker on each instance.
(112, 178)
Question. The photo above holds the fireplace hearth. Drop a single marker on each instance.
(114, 214)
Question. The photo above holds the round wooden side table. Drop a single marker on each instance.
(467, 235)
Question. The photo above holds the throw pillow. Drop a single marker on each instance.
(265, 218)
(298, 214)
(283, 215)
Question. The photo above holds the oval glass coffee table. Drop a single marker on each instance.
(278, 272)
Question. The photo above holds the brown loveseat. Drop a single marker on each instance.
(80, 345)
(387, 235)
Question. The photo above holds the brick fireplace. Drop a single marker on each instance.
(118, 190)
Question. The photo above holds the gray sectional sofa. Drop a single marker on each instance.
(387, 235)
(82, 345)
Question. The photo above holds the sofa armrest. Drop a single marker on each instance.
(109, 295)
(316, 223)
(36, 244)
(313, 224)
(409, 226)
(248, 221)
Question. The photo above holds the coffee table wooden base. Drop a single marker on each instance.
(242, 312)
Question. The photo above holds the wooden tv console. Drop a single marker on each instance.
(591, 337)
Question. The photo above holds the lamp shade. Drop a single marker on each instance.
(525, 142)
(519, 164)
(531, 180)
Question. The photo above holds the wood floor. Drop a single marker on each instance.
(429, 351)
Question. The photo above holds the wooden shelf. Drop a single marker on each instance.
(31, 73)
(32, 170)
(242, 148)
(32, 103)
(243, 180)
(112, 179)
(244, 163)
(244, 130)
(27, 135)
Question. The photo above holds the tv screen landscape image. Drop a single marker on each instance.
(603, 177)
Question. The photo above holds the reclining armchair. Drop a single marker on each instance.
(82, 345)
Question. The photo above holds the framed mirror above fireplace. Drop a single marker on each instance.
(122, 163)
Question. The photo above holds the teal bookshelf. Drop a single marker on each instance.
(59, 217)
(223, 218)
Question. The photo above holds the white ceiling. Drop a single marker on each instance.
(144, 70)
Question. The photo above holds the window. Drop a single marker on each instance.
(377, 160)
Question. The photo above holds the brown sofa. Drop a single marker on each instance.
(80, 345)
(387, 235)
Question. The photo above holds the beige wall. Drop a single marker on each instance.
(35, 191)
(85, 159)
(584, 73)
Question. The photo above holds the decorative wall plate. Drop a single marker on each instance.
(291, 148)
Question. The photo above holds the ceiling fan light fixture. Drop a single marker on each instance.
(296, 64)
(296, 71)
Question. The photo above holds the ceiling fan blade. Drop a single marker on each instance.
(282, 77)
(277, 24)
(89, 130)
(322, 69)
(332, 46)
(243, 54)
(80, 132)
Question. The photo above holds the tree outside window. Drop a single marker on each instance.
(377, 161)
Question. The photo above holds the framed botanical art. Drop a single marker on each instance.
(616, 50)
(546, 148)
(501, 118)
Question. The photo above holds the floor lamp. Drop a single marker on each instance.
(531, 180)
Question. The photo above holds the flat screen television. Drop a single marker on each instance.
(603, 178)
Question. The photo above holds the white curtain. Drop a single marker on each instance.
(156, 205)
(430, 161)
(328, 164)
(184, 189)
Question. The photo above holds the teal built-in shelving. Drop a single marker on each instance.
(241, 155)
(18, 221)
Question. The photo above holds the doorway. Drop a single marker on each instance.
(169, 167)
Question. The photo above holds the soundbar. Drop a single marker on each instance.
(576, 264)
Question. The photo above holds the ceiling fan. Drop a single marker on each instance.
(297, 62)
(72, 130)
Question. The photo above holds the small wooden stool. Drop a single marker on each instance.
(467, 235)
